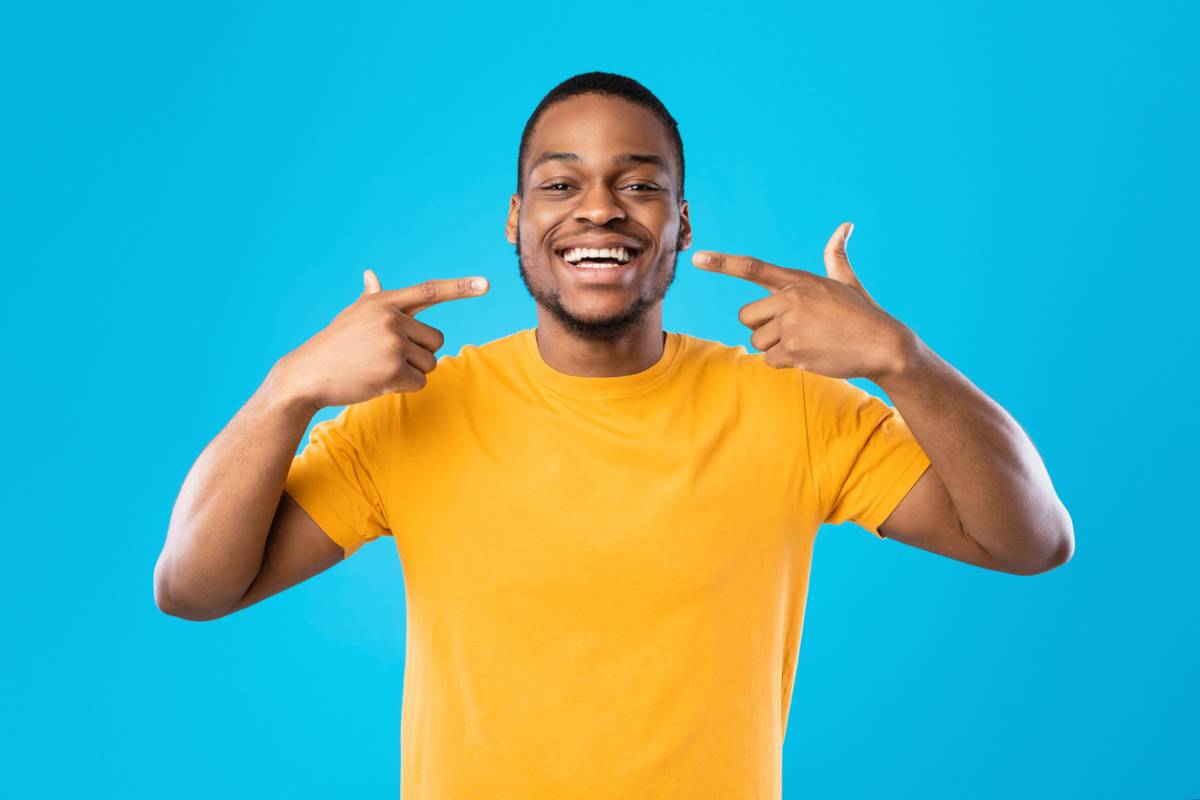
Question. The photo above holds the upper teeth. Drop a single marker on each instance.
(577, 254)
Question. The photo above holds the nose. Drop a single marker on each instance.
(597, 205)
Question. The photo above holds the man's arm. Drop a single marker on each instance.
(234, 537)
(987, 498)
(297, 549)
(230, 506)
(996, 507)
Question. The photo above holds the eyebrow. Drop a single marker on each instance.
(619, 158)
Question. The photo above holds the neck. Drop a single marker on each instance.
(635, 350)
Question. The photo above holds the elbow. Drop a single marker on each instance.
(1061, 555)
(173, 608)
(169, 603)
(1061, 552)
(1065, 540)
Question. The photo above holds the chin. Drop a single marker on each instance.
(604, 326)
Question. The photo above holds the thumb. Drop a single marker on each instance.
(837, 263)
(371, 282)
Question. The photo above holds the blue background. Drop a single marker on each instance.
(189, 193)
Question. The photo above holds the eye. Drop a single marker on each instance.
(648, 186)
(554, 186)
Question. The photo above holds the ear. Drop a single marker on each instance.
(685, 226)
(514, 218)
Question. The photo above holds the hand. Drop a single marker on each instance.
(830, 326)
(373, 346)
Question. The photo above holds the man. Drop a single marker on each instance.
(605, 527)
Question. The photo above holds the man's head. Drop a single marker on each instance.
(600, 166)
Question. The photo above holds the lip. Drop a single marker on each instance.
(599, 276)
(600, 243)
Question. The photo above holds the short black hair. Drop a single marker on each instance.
(609, 84)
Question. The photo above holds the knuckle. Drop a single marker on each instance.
(429, 289)
(751, 266)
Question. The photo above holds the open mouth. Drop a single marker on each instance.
(601, 259)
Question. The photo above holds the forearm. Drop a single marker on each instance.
(223, 514)
(993, 474)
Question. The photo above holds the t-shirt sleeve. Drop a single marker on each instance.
(862, 453)
(338, 476)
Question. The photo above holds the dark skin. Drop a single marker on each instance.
(585, 328)
(236, 538)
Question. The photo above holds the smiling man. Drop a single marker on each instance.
(605, 528)
(600, 203)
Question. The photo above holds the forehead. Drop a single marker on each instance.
(596, 128)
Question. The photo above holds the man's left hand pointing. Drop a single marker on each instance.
(830, 326)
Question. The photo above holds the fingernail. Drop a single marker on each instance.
(478, 283)
(849, 231)
(703, 258)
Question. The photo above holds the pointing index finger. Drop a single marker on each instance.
(413, 299)
(750, 268)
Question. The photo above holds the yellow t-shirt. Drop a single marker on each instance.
(605, 577)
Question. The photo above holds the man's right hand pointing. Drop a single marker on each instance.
(374, 346)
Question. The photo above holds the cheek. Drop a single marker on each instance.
(668, 224)
(536, 219)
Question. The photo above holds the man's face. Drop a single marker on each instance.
(600, 173)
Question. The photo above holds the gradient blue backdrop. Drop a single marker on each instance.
(188, 194)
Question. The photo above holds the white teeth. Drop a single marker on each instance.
(576, 254)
